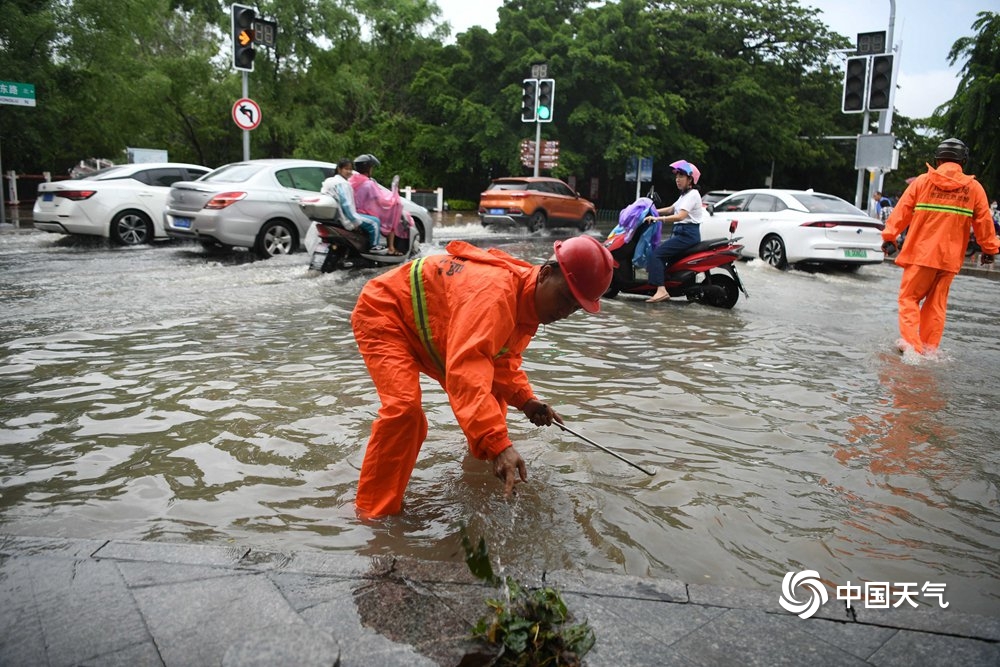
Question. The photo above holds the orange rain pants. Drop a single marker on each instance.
(463, 319)
(936, 210)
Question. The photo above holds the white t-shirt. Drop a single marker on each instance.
(690, 201)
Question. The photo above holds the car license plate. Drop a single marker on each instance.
(182, 223)
(47, 196)
(497, 211)
(859, 253)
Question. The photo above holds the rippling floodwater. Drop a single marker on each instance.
(165, 394)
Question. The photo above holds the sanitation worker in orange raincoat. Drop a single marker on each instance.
(937, 208)
(463, 319)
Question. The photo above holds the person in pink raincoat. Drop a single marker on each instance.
(372, 198)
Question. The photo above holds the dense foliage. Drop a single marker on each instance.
(528, 627)
(745, 89)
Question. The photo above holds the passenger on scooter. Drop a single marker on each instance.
(377, 200)
(687, 213)
(340, 189)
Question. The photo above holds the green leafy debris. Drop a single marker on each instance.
(531, 627)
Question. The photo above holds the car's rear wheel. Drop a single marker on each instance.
(772, 251)
(587, 223)
(276, 237)
(131, 228)
(537, 221)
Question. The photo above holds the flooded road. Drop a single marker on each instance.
(166, 394)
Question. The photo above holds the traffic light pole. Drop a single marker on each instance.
(884, 117)
(246, 133)
(538, 144)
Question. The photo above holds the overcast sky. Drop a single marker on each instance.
(924, 31)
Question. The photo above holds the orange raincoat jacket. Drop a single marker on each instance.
(463, 319)
(939, 207)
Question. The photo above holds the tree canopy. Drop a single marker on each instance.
(744, 89)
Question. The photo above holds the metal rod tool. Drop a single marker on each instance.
(605, 449)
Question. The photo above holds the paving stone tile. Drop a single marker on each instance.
(343, 565)
(636, 632)
(21, 638)
(190, 554)
(933, 619)
(600, 583)
(745, 637)
(907, 648)
(86, 609)
(297, 644)
(136, 655)
(12, 545)
(666, 622)
(857, 639)
(145, 573)
(361, 646)
(758, 599)
(307, 590)
(194, 623)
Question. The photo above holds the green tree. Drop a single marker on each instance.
(972, 114)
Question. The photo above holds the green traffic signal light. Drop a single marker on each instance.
(546, 95)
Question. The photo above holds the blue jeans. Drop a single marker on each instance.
(683, 237)
(369, 224)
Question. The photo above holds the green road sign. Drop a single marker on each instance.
(21, 94)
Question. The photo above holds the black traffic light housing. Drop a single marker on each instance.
(880, 88)
(855, 82)
(529, 100)
(243, 37)
(546, 99)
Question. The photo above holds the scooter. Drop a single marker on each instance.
(336, 247)
(691, 276)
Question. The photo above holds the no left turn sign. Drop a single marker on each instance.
(246, 113)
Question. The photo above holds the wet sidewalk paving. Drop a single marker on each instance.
(93, 602)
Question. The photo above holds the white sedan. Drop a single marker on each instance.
(124, 203)
(787, 227)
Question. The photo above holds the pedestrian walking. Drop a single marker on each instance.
(936, 211)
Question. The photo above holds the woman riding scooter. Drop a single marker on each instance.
(686, 214)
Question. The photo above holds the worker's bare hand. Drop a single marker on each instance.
(540, 414)
(508, 466)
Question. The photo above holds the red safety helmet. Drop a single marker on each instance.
(587, 266)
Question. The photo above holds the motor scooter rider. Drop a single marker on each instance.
(374, 199)
(339, 188)
(686, 214)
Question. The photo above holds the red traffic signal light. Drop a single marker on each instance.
(880, 89)
(855, 82)
(243, 37)
(529, 100)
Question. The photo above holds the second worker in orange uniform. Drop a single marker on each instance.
(464, 319)
(936, 211)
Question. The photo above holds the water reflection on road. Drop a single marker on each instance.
(166, 394)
